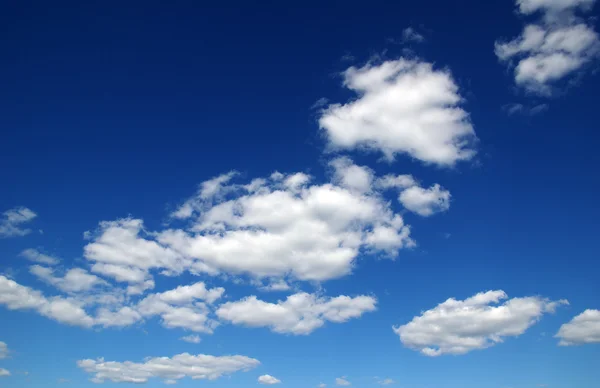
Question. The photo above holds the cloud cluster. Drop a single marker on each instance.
(11, 222)
(171, 369)
(583, 329)
(403, 107)
(478, 322)
(555, 48)
(300, 313)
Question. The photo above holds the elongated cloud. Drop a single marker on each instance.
(403, 107)
(479, 322)
(12, 221)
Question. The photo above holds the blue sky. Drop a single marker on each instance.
(338, 194)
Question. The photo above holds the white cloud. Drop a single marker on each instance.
(410, 35)
(350, 176)
(322, 385)
(268, 379)
(342, 381)
(3, 350)
(404, 107)
(197, 367)
(17, 297)
(38, 257)
(583, 329)
(425, 202)
(74, 280)
(300, 313)
(460, 326)
(515, 108)
(386, 382)
(12, 221)
(4, 372)
(559, 46)
(193, 339)
(395, 181)
(285, 227)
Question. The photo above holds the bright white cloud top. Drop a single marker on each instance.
(197, 367)
(478, 322)
(403, 107)
(560, 45)
(268, 380)
(300, 313)
(583, 329)
(12, 222)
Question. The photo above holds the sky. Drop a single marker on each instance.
(322, 194)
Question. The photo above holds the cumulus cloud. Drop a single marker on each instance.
(268, 379)
(3, 350)
(38, 257)
(74, 280)
(403, 107)
(555, 48)
(583, 329)
(197, 367)
(479, 322)
(12, 220)
(193, 339)
(4, 372)
(342, 381)
(425, 202)
(300, 313)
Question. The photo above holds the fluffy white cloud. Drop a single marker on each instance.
(460, 326)
(558, 46)
(425, 202)
(74, 280)
(4, 372)
(300, 313)
(268, 379)
(404, 107)
(284, 227)
(3, 350)
(11, 223)
(197, 367)
(193, 339)
(342, 381)
(17, 297)
(583, 329)
(38, 257)
(350, 176)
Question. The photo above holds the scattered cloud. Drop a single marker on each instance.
(193, 339)
(3, 350)
(520, 109)
(403, 107)
(322, 385)
(583, 329)
(386, 382)
(555, 48)
(11, 222)
(268, 379)
(479, 322)
(74, 280)
(409, 34)
(425, 202)
(4, 372)
(38, 257)
(197, 367)
(342, 381)
(300, 313)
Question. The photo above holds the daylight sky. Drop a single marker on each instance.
(322, 194)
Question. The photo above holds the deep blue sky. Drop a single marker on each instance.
(109, 110)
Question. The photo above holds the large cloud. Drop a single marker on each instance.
(197, 367)
(403, 107)
(12, 220)
(300, 313)
(583, 329)
(559, 46)
(481, 321)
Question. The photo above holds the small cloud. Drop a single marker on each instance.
(520, 109)
(386, 382)
(322, 385)
(63, 381)
(12, 220)
(321, 102)
(410, 35)
(342, 381)
(268, 380)
(193, 339)
(4, 372)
